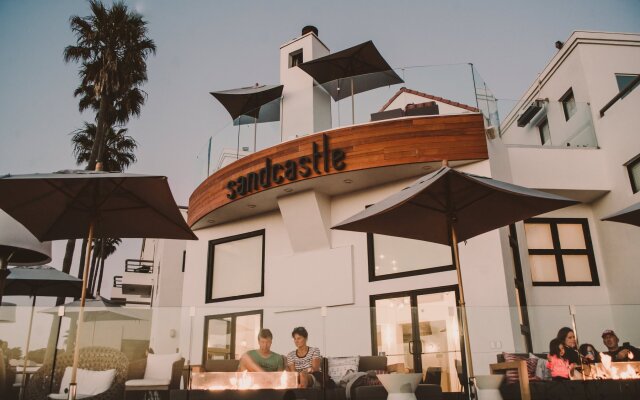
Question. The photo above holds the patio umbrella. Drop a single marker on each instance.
(101, 309)
(37, 281)
(630, 215)
(68, 204)
(447, 207)
(362, 66)
(252, 104)
(19, 247)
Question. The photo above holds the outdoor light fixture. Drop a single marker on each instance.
(348, 181)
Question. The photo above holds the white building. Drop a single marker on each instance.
(267, 257)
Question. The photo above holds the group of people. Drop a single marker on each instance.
(304, 359)
(565, 356)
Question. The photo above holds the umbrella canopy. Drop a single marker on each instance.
(249, 100)
(41, 280)
(18, 246)
(363, 63)
(62, 205)
(474, 204)
(101, 310)
(630, 215)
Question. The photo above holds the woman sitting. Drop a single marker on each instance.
(589, 354)
(304, 359)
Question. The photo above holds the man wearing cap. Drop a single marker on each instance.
(626, 352)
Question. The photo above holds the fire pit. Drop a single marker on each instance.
(612, 370)
(244, 380)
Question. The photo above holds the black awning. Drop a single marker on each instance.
(362, 64)
(249, 100)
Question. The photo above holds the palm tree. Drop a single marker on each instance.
(118, 154)
(112, 47)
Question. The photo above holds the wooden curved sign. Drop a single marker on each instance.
(353, 148)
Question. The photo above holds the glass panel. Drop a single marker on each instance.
(440, 339)
(538, 236)
(247, 329)
(571, 236)
(576, 268)
(623, 80)
(393, 330)
(395, 255)
(569, 106)
(634, 172)
(219, 339)
(238, 258)
(545, 133)
(543, 268)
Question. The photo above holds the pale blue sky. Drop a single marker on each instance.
(211, 45)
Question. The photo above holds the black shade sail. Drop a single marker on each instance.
(41, 280)
(362, 65)
(248, 102)
(62, 205)
(630, 215)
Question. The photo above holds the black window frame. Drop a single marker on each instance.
(371, 257)
(233, 316)
(558, 252)
(564, 100)
(210, 259)
(542, 123)
(635, 161)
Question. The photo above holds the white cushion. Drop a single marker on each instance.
(147, 382)
(90, 382)
(339, 366)
(65, 396)
(159, 366)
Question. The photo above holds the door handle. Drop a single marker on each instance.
(411, 347)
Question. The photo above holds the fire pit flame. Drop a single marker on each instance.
(611, 370)
(244, 380)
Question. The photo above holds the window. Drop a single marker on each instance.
(633, 167)
(394, 257)
(545, 133)
(568, 104)
(560, 252)
(228, 336)
(236, 267)
(295, 58)
(624, 80)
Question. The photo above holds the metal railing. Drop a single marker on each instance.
(139, 266)
(117, 281)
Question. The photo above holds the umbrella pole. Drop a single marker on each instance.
(55, 349)
(463, 308)
(353, 106)
(255, 134)
(26, 351)
(76, 351)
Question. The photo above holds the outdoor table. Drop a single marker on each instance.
(258, 394)
(400, 386)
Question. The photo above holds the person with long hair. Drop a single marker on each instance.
(589, 353)
(558, 365)
(568, 339)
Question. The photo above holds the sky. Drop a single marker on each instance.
(214, 45)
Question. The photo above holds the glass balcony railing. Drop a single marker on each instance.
(416, 332)
(458, 88)
(546, 123)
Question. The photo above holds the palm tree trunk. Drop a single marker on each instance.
(101, 132)
(100, 275)
(82, 255)
(92, 270)
(66, 263)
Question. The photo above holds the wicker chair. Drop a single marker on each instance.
(92, 358)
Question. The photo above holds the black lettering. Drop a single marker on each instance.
(265, 174)
(337, 159)
(305, 171)
(325, 152)
(316, 155)
(291, 172)
(242, 182)
(277, 179)
(232, 192)
(254, 182)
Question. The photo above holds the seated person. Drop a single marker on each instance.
(589, 353)
(626, 352)
(263, 359)
(558, 365)
(304, 359)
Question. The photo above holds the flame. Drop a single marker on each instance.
(609, 371)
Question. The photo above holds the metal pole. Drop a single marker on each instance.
(4, 272)
(73, 385)
(353, 105)
(463, 309)
(26, 350)
(255, 134)
(55, 348)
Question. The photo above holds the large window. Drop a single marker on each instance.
(394, 257)
(228, 336)
(560, 252)
(568, 104)
(236, 267)
(633, 167)
(545, 133)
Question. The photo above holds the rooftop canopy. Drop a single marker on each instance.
(246, 104)
(361, 66)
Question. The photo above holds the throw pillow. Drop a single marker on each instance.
(512, 374)
(339, 366)
(89, 382)
(542, 372)
(159, 366)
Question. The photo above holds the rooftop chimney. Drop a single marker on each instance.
(309, 28)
